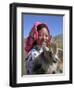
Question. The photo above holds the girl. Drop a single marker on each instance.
(39, 37)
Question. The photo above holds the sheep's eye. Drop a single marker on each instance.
(50, 54)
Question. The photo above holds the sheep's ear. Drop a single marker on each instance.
(60, 53)
(54, 47)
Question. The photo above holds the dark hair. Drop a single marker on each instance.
(40, 26)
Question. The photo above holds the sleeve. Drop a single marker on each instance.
(30, 59)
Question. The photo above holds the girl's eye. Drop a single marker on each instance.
(40, 34)
(46, 35)
(43, 35)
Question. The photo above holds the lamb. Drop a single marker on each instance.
(49, 62)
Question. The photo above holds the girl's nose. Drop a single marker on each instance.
(44, 38)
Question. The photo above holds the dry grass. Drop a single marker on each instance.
(58, 44)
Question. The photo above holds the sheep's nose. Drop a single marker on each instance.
(53, 72)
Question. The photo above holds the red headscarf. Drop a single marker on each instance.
(33, 36)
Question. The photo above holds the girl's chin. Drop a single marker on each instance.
(42, 44)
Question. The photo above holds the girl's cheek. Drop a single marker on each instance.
(47, 38)
(39, 40)
(40, 37)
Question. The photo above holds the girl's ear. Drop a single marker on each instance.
(50, 37)
(49, 41)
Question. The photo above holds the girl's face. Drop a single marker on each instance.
(43, 36)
